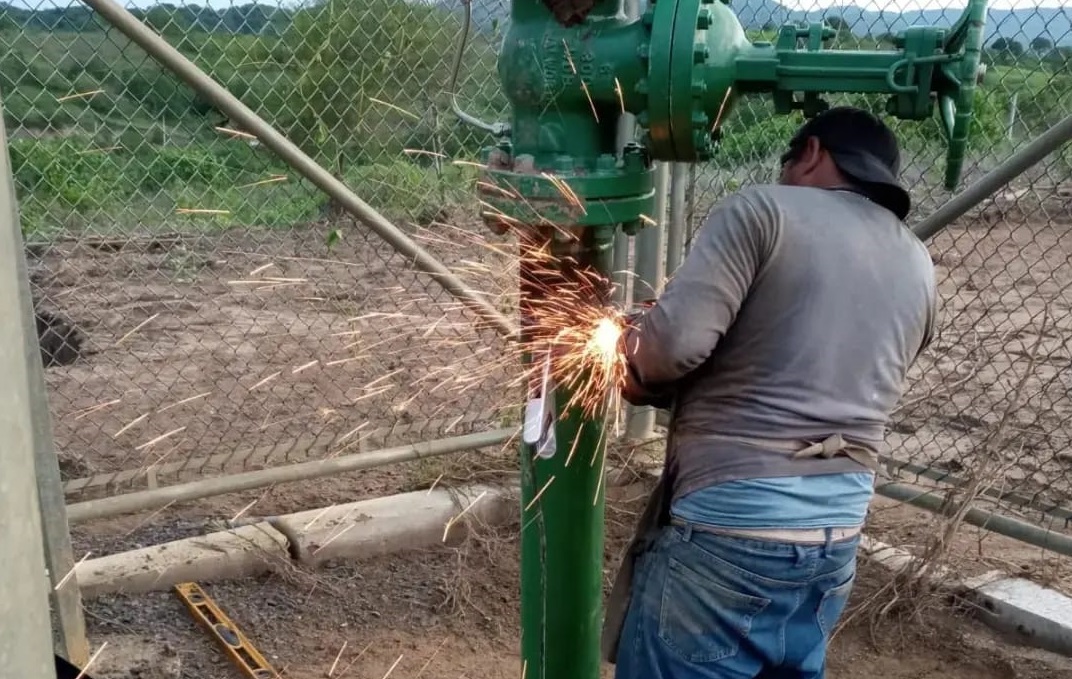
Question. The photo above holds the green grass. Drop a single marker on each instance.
(143, 147)
(67, 185)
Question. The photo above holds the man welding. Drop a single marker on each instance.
(781, 346)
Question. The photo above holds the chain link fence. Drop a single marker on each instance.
(203, 310)
(988, 403)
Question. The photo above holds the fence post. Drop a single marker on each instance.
(675, 232)
(64, 595)
(25, 631)
(626, 134)
(650, 268)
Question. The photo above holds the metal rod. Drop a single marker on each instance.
(650, 271)
(161, 497)
(1019, 162)
(675, 232)
(626, 133)
(620, 275)
(995, 523)
(25, 628)
(170, 58)
(1052, 511)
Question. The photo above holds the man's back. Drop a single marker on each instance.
(837, 313)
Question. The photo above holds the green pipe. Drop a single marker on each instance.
(1051, 510)
(995, 523)
(562, 515)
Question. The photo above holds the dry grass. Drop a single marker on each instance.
(926, 583)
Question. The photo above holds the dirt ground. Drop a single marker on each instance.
(214, 352)
(452, 613)
(218, 352)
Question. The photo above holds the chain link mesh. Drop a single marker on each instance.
(989, 401)
(203, 309)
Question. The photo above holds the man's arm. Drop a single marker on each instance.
(700, 302)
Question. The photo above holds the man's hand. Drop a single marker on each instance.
(633, 391)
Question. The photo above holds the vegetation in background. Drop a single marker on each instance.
(103, 138)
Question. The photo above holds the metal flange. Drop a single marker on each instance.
(676, 125)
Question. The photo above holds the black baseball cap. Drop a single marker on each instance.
(863, 148)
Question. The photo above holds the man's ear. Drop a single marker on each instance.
(810, 156)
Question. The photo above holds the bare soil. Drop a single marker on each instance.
(453, 613)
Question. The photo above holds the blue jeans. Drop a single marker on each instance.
(707, 606)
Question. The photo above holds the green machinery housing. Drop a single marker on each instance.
(570, 69)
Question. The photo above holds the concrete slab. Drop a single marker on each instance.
(1036, 615)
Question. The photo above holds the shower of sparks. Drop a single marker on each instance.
(618, 91)
(236, 133)
(138, 327)
(431, 658)
(184, 401)
(584, 85)
(70, 574)
(721, 109)
(79, 95)
(158, 439)
(333, 538)
(539, 494)
(454, 519)
(92, 660)
(103, 149)
(423, 152)
(337, 658)
(392, 669)
(92, 409)
(395, 108)
(200, 211)
(274, 179)
(353, 662)
(133, 423)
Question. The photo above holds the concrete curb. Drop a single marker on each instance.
(355, 530)
(1034, 615)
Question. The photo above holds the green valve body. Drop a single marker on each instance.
(559, 178)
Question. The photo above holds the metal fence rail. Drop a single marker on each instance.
(228, 316)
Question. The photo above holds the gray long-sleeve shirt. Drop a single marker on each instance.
(796, 315)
